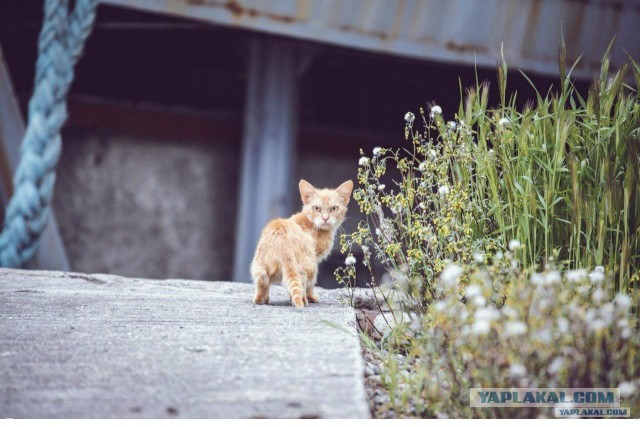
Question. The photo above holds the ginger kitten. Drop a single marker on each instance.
(290, 249)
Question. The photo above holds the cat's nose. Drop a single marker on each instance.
(325, 218)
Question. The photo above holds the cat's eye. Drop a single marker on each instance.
(316, 208)
(334, 209)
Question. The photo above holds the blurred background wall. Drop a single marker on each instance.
(191, 122)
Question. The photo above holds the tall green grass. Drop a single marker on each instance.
(564, 171)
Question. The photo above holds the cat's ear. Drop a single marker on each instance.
(306, 190)
(344, 191)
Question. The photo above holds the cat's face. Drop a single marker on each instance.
(326, 208)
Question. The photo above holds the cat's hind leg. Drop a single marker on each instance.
(295, 285)
(312, 278)
(262, 281)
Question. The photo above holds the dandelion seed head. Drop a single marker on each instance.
(576, 276)
(363, 161)
(450, 275)
(623, 301)
(517, 370)
(409, 117)
(514, 244)
(480, 327)
(626, 389)
(596, 277)
(556, 365)
(537, 279)
(598, 295)
(350, 260)
(436, 110)
(515, 328)
(552, 278)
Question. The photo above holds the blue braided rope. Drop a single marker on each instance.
(60, 45)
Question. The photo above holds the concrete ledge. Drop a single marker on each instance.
(97, 346)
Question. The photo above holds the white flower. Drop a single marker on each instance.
(422, 166)
(545, 335)
(491, 151)
(422, 205)
(363, 161)
(623, 301)
(499, 255)
(598, 295)
(479, 301)
(537, 279)
(514, 244)
(481, 327)
(365, 249)
(376, 151)
(450, 274)
(626, 389)
(452, 125)
(503, 121)
(350, 260)
(563, 325)
(443, 190)
(440, 306)
(599, 268)
(436, 110)
(478, 257)
(487, 314)
(409, 117)
(597, 325)
(576, 276)
(381, 187)
(596, 276)
(517, 370)
(432, 152)
(513, 329)
(556, 365)
(552, 278)
(472, 291)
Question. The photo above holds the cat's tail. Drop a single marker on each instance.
(293, 279)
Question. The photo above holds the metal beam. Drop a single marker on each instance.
(268, 144)
(51, 254)
(442, 30)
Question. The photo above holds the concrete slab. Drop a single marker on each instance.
(97, 346)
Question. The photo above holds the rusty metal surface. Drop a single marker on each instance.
(459, 31)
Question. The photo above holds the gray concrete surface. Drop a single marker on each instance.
(94, 346)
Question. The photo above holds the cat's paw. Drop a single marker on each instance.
(260, 299)
(313, 297)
